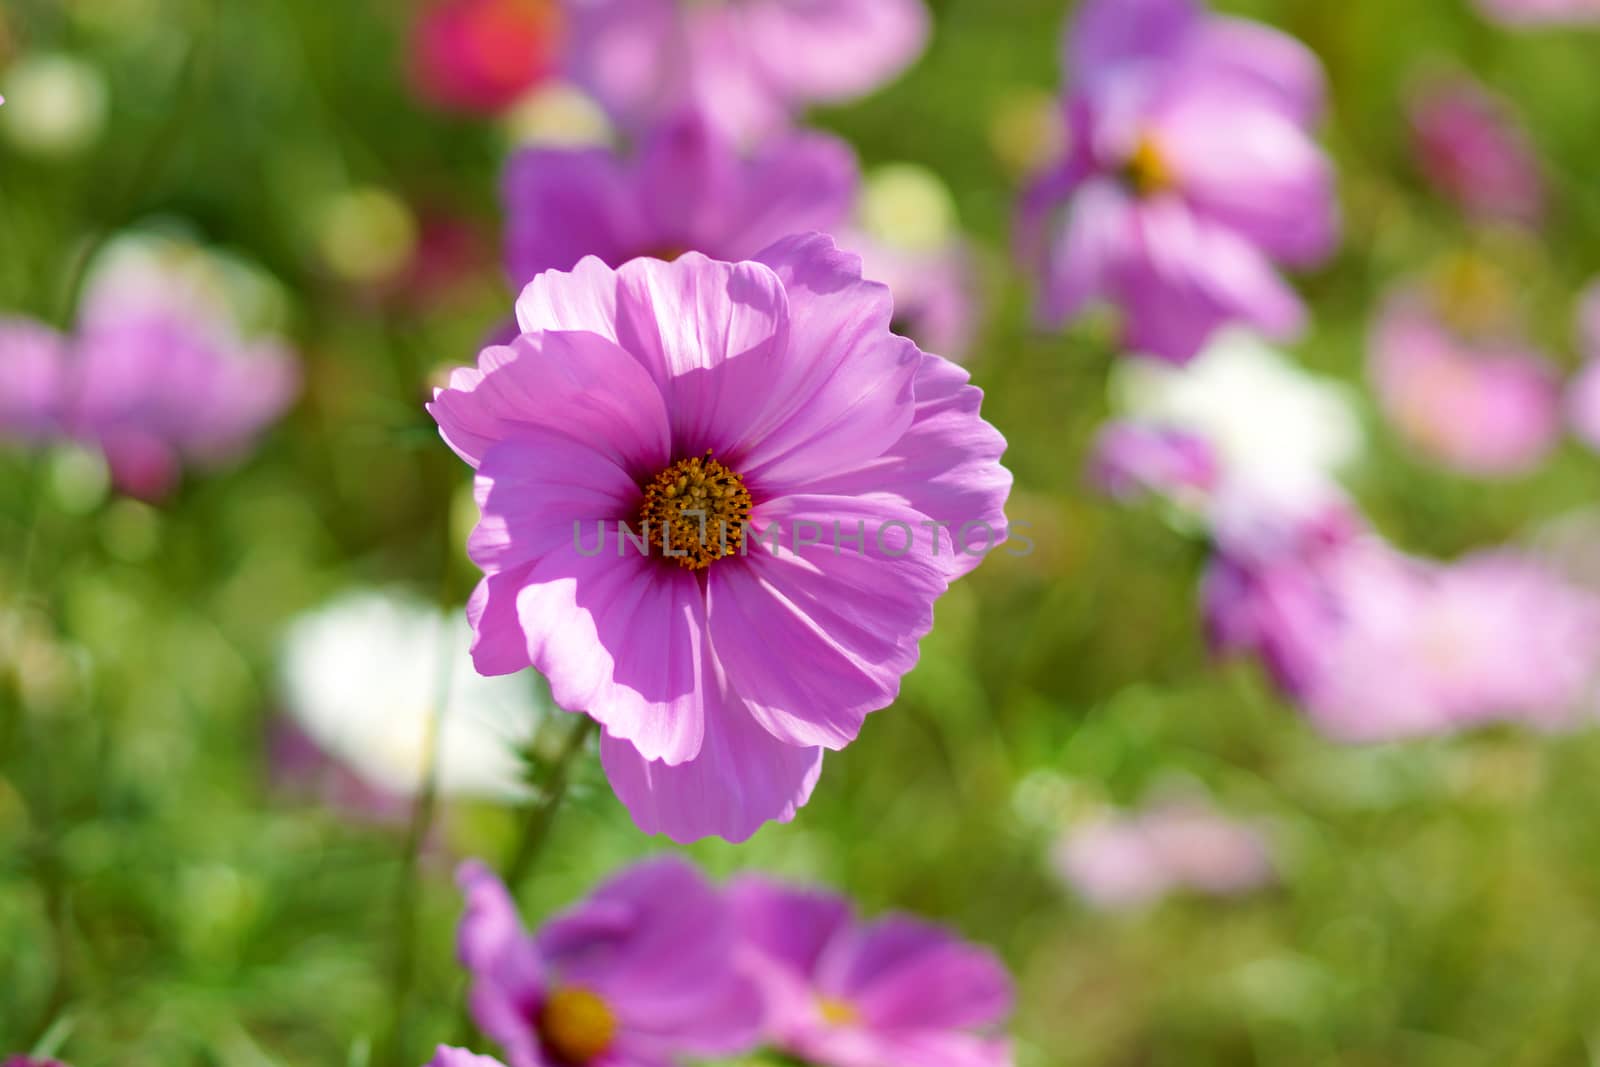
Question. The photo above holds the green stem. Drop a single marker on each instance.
(408, 886)
(536, 831)
(535, 834)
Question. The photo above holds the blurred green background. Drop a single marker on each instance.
(1439, 902)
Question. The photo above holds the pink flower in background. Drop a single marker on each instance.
(1192, 171)
(750, 66)
(640, 974)
(33, 371)
(29, 1061)
(1376, 645)
(162, 374)
(1542, 12)
(1583, 392)
(1274, 584)
(774, 392)
(1494, 637)
(935, 290)
(1484, 404)
(1131, 460)
(481, 56)
(688, 189)
(842, 992)
(1471, 148)
(1123, 861)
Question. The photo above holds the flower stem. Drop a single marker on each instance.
(536, 831)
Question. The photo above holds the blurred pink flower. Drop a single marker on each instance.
(1470, 146)
(161, 374)
(1132, 459)
(1542, 12)
(1486, 405)
(1494, 637)
(1583, 393)
(896, 991)
(776, 386)
(1124, 861)
(688, 189)
(640, 974)
(1375, 645)
(750, 66)
(1275, 582)
(935, 290)
(1192, 171)
(481, 56)
(33, 371)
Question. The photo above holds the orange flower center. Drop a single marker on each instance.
(836, 1012)
(1147, 170)
(695, 511)
(576, 1026)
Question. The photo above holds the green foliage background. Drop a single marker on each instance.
(1439, 902)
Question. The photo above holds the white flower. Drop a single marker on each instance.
(362, 676)
(1279, 433)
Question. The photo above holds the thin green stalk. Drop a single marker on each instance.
(408, 889)
(536, 831)
(535, 834)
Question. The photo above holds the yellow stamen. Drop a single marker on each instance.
(575, 1026)
(1147, 170)
(836, 1012)
(695, 511)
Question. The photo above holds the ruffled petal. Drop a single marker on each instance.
(847, 615)
(947, 466)
(575, 383)
(844, 395)
(742, 778)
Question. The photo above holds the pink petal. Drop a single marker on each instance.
(845, 390)
(578, 384)
(847, 617)
(624, 641)
(742, 778)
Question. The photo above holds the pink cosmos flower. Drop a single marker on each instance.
(1274, 584)
(751, 66)
(641, 974)
(721, 653)
(896, 991)
(1124, 861)
(1375, 645)
(1486, 405)
(1542, 12)
(1583, 393)
(688, 189)
(1192, 170)
(934, 290)
(1494, 637)
(1471, 148)
(1132, 459)
(29, 1061)
(161, 372)
(33, 369)
(480, 56)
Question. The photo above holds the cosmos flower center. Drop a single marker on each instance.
(1146, 170)
(694, 512)
(836, 1012)
(576, 1026)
